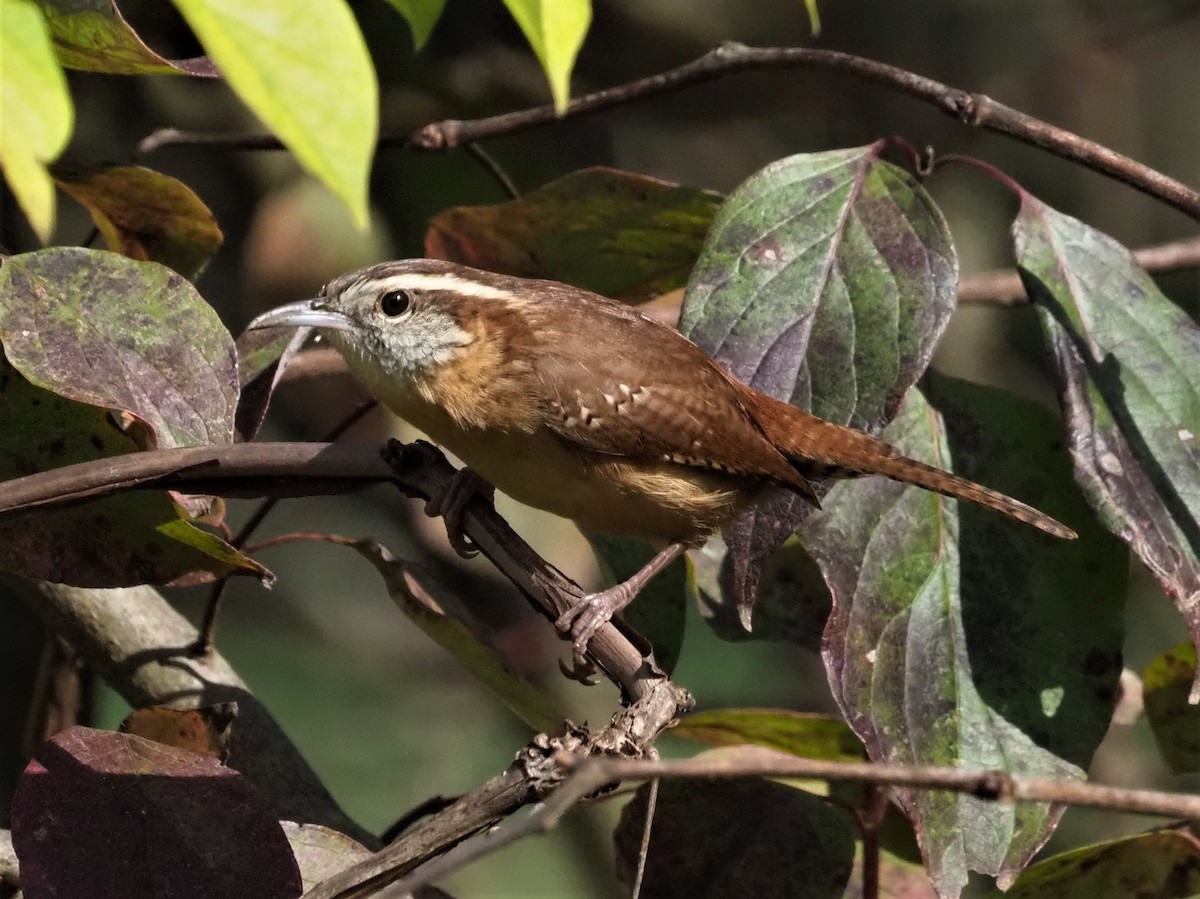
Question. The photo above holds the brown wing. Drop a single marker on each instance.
(637, 388)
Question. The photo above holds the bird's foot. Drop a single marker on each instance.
(592, 612)
(465, 486)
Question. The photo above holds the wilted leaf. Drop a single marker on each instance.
(736, 838)
(825, 281)
(118, 541)
(960, 637)
(660, 611)
(421, 16)
(321, 852)
(305, 71)
(93, 35)
(103, 815)
(555, 30)
(105, 330)
(145, 214)
(621, 235)
(803, 734)
(38, 115)
(263, 356)
(1128, 362)
(1175, 721)
(1164, 864)
(204, 731)
(444, 618)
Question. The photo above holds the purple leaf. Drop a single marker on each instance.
(826, 281)
(101, 815)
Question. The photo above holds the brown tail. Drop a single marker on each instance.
(820, 449)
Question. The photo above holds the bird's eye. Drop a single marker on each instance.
(395, 302)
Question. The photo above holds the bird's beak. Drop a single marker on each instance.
(306, 313)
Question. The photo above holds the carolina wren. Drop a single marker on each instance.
(587, 408)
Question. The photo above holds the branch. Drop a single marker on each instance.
(972, 109)
(138, 644)
(539, 770)
(242, 469)
(261, 469)
(594, 773)
(1004, 287)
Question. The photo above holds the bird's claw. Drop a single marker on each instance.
(465, 486)
(582, 620)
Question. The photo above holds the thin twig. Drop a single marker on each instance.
(1004, 287)
(494, 169)
(644, 848)
(972, 109)
(592, 773)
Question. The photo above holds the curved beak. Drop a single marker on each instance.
(306, 313)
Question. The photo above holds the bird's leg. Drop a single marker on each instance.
(449, 504)
(583, 619)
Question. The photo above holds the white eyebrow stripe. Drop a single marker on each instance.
(452, 283)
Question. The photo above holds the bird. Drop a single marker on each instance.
(585, 407)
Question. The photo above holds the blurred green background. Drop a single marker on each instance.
(385, 716)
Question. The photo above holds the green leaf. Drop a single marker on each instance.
(452, 625)
(814, 16)
(826, 280)
(37, 112)
(611, 232)
(118, 541)
(1164, 864)
(1128, 362)
(92, 35)
(806, 735)
(660, 612)
(305, 71)
(146, 215)
(105, 330)
(421, 16)
(555, 30)
(738, 839)
(1166, 685)
(961, 638)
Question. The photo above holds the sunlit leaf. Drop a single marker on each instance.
(1128, 363)
(102, 329)
(304, 69)
(1164, 864)
(959, 637)
(93, 35)
(146, 215)
(621, 235)
(803, 734)
(37, 115)
(555, 30)
(825, 281)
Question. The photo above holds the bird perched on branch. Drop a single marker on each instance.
(585, 407)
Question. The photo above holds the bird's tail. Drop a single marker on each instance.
(821, 449)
